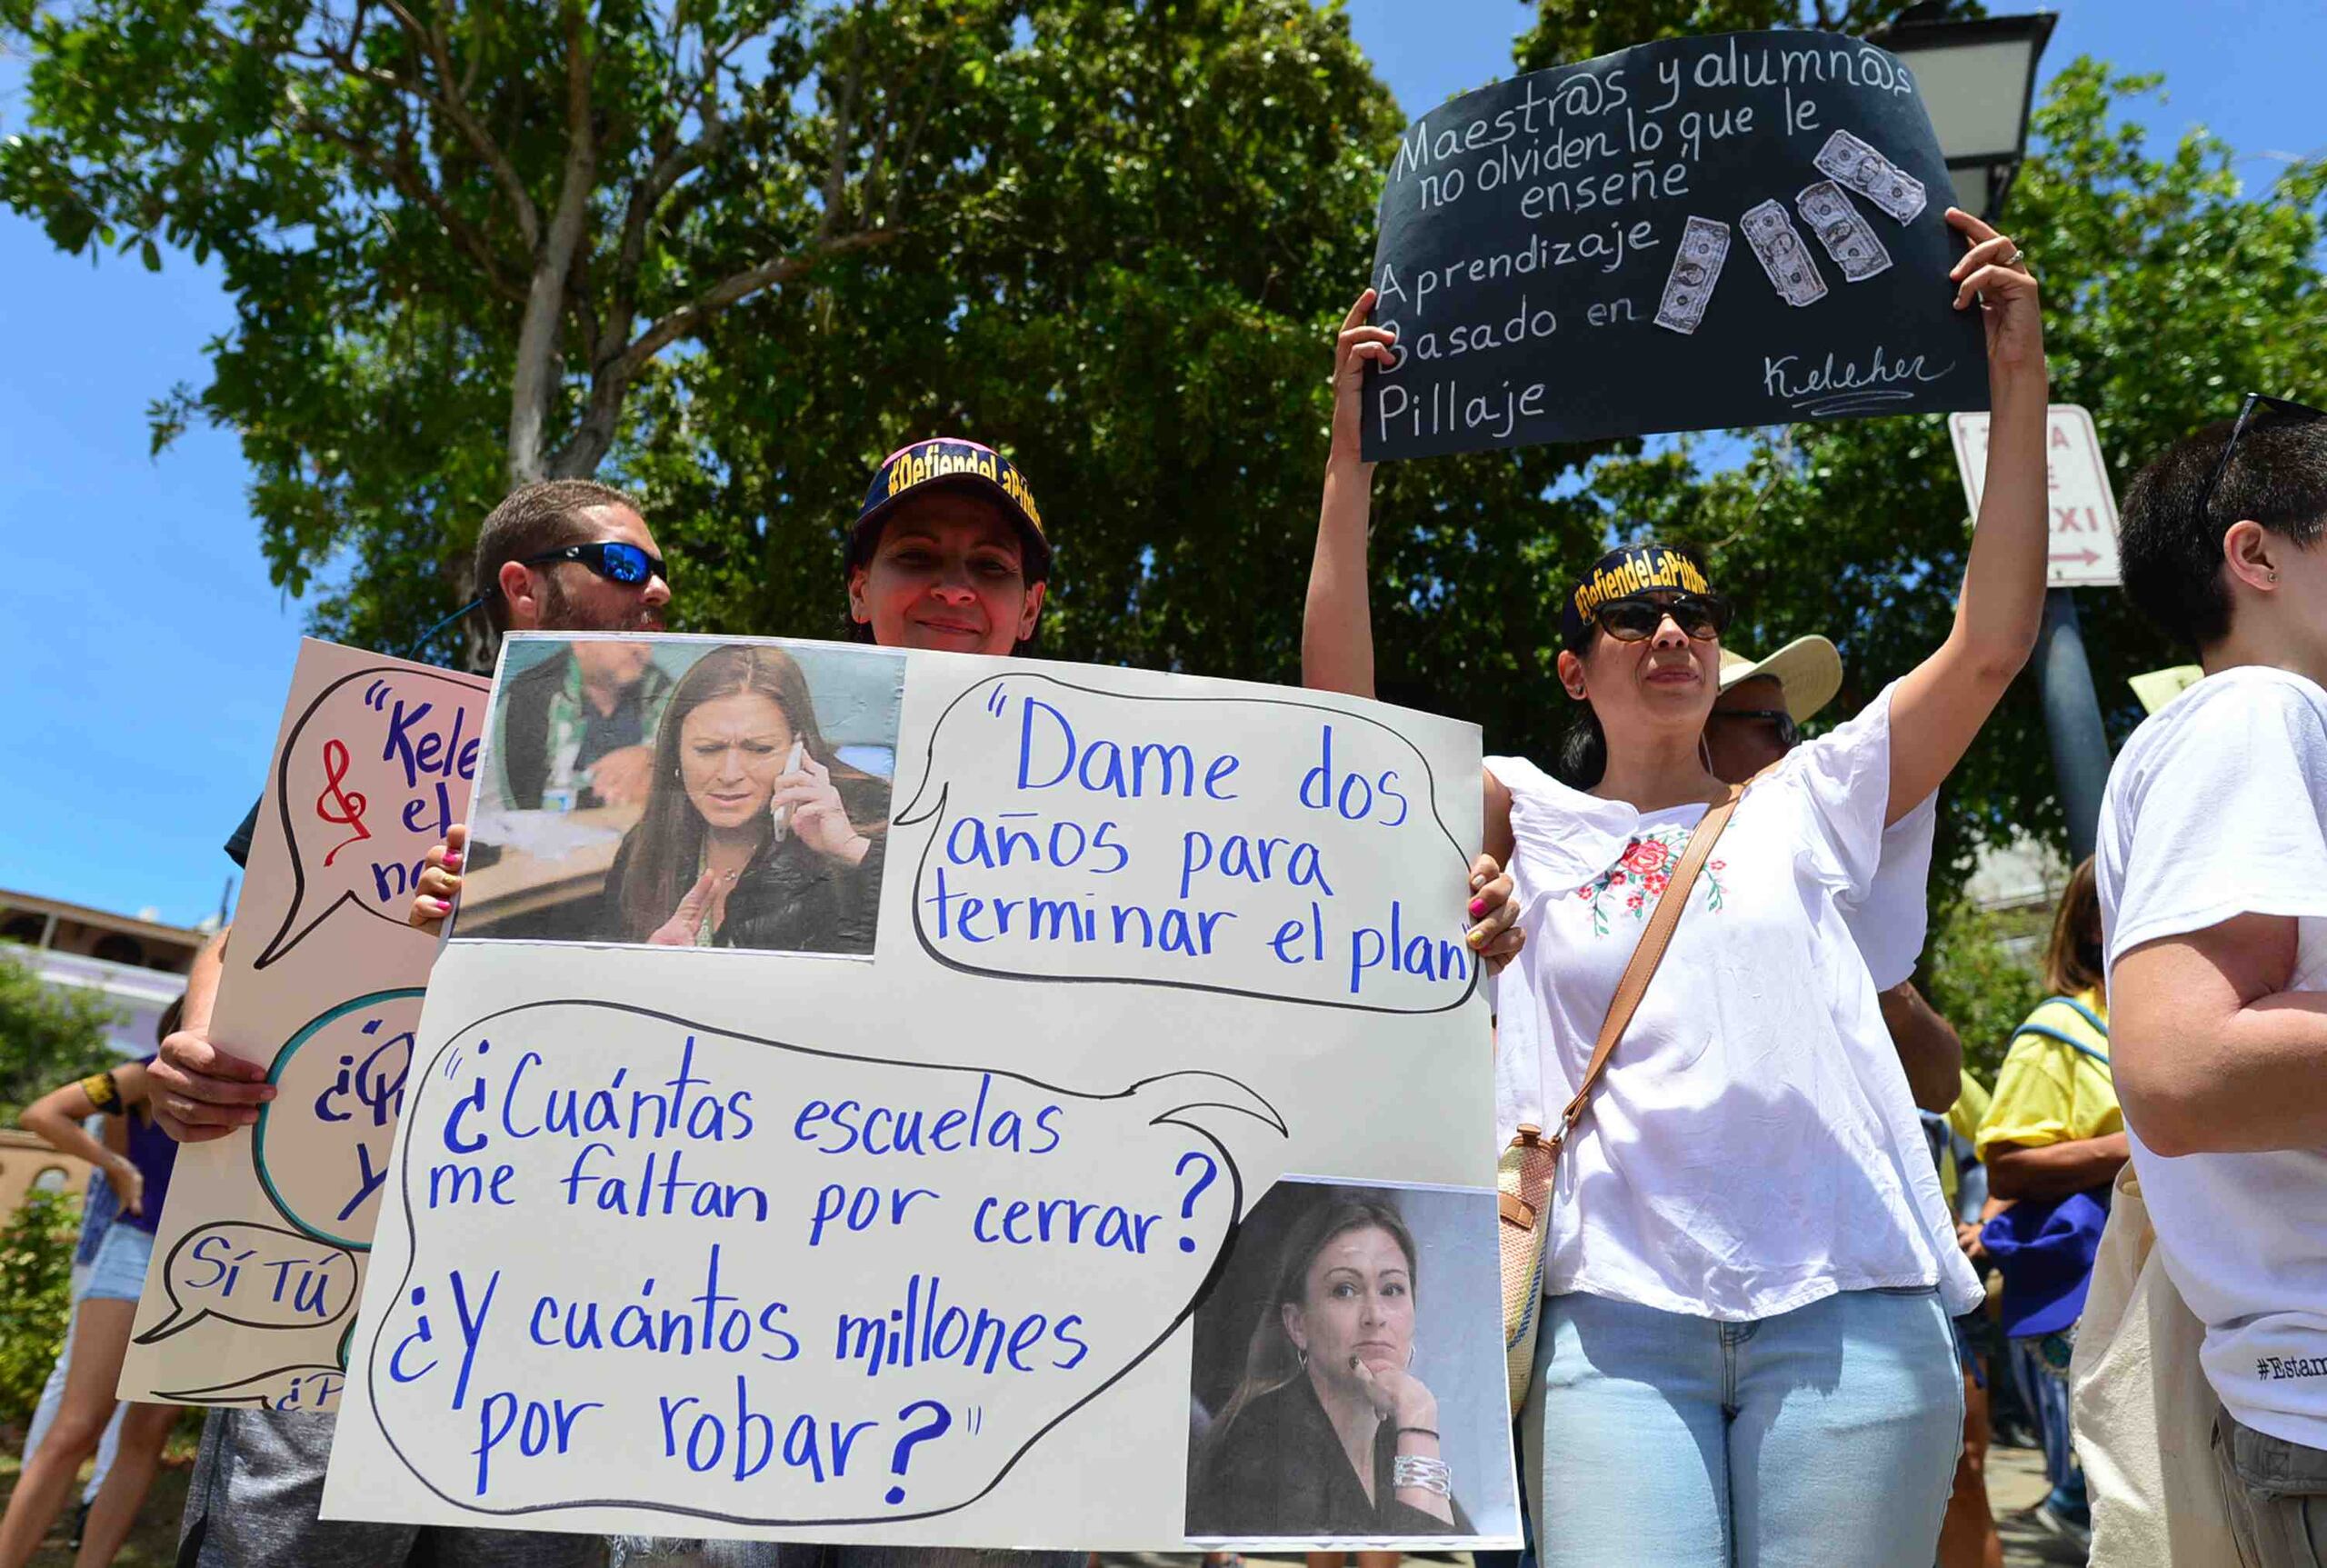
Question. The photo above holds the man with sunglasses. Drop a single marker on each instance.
(571, 555)
(2212, 871)
(564, 555)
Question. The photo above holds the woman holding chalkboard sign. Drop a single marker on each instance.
(1745, 1356)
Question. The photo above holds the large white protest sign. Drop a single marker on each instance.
(1003, 1234)
(260, 1252)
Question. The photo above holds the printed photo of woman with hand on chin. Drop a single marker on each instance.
(755, 834)
(1330, 1433)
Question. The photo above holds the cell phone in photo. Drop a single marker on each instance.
(780, 816)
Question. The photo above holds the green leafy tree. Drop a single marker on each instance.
(35, 1295)
(729, 252)
(49, 1034)
(1980, 980)
(1152, 344)
(457, 237)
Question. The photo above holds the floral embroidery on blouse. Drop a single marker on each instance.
(1633, 884)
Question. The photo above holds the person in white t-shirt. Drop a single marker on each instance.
(2212, 866)
(1745, 1355)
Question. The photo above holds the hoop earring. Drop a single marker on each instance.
(1410, 1355)
(1300, 1357)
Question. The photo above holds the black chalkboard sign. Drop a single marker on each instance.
(1740, 229)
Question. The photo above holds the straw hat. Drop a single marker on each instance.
(1809, 669)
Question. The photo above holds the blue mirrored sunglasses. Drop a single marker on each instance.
(617, 562)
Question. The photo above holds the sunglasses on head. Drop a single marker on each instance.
(617, 562)
(2254, 400)
(1702, 617)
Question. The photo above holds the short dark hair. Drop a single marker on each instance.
(2172, 556)
(533, 518)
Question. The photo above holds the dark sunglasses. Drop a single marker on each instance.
(617, 562)
(1702, 617)
(2254, 400)
(1778, 719)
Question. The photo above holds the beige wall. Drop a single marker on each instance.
(24, 1158)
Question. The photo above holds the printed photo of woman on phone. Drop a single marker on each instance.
(756, 834)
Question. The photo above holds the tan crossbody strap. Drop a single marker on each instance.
(1653, 941)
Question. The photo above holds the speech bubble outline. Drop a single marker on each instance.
(1257, 1106)
(231, 1392)
(281, 944)
(283, 1058)
(912, 815)
(181, 1318)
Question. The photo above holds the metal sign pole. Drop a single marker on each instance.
(2072, 721)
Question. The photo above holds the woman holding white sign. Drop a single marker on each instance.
(1745, 1355)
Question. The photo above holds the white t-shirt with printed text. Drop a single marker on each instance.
(1753, 1147)
(2217, 807)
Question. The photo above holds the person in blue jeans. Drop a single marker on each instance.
(1745, 1358)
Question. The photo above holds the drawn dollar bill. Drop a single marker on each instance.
(1696, 268)
(1871, 175)
(1777, 244)
(1847, 236)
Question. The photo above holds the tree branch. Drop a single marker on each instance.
(843, 128)
(404, 176)
(610, 380)
(697, 313)
(454, 101)
(534, 376)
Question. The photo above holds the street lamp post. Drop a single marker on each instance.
(1977, 79)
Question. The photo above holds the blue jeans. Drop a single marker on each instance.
(2046, 1392)
(1824, 1435)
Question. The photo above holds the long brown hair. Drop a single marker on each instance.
(2075, 962)
(1270, 1360)
(669, 846)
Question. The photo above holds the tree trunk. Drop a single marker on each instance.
(533, 382)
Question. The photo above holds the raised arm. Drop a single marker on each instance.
(1939, 708)
(1337, 623)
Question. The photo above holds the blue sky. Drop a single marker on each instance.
(147, 654)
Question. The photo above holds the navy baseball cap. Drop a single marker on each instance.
(1624, 571)
(962, 464)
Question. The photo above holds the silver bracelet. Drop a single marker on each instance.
(1423, 1472)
